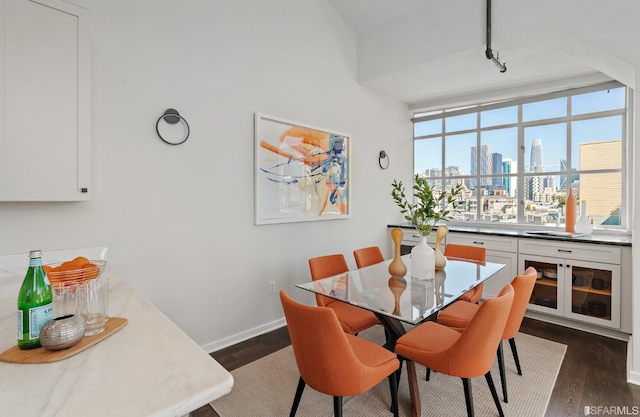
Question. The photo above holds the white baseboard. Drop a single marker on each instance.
(585, 327)
(242, 336)
(634, 378)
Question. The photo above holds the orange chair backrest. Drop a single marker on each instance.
(368, 256)
(324, 356)
(474, 352)
(523, 287)
(326, 266)
(475, 253)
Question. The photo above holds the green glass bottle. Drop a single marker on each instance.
(35, 303)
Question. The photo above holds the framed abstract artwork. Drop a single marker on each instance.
(301, 172)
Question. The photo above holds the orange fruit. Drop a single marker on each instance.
(91, 271)
(68, 266)
(47, 269)
(80, 260)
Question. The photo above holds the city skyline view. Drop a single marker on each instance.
(551, 145)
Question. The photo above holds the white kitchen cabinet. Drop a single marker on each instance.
(503, 250)
(575, 281)
(45, 101)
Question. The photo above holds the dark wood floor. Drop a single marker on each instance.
(593, 372)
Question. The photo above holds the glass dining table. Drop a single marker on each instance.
(398, 300)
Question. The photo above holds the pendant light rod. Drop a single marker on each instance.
(489, 53)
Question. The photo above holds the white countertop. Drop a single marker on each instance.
(147, 368)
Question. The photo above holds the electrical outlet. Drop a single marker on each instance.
(272, 287)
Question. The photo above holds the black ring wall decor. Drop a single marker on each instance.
(383, 156)
(172, 117)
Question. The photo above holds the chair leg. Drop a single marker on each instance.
(296, 400)
(399, 371)
(428, 375)
(494, 393)
(512, 342)
(503, 376)
(337, 406)
(393, 385)
(468, 396)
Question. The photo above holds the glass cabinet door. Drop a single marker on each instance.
(546, 292)
(591, 292)
(593, 295)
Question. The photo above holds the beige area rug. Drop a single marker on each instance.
(267, 386)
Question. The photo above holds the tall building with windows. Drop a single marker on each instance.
(486, 152)
(563, 178)
(535, 185)
(496, 169)
(509, 166)
(536, 163)
(601, 191)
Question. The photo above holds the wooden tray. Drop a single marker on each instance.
(42, 355)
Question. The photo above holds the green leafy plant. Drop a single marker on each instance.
(428, 208)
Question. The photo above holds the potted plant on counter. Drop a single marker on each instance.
(429, 208)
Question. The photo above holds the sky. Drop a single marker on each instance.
(504, 141)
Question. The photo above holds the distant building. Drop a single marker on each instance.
(486, 167)
(601, 191)
(535, 163)
(509, 166)
(496, 169)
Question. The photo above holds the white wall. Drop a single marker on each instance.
(178, 220)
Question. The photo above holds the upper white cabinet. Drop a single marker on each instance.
(44, 101)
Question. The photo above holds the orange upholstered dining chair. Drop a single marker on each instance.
(473, 253)
(333, 362)
(368, 256)
(467, 354)
(353, 319)
(459, 315)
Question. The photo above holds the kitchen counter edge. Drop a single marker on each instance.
(596, 238)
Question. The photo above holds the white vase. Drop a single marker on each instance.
(423, 260)
(583, 224)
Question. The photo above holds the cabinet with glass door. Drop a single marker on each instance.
(587, 291)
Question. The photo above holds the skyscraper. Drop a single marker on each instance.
(509, 166)
(563, 178)
(535, 184)
(496, 169)
(536, 164)
(486, 152)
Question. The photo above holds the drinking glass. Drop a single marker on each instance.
(95, 295)
(66, 296)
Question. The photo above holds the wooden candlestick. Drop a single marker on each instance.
(441, 261)
(397, 268)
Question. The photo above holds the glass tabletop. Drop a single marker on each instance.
(404, 298)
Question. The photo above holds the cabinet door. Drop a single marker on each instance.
(548, 293)
(493, 285)
(502, 250)
(45, 126)
(593, 292)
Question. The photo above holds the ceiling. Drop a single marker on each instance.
(542, 57)
(365, 15)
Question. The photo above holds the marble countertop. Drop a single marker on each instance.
(148, 368)
(597, 238)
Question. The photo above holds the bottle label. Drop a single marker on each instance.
(20, 334)
(35, 262)
(38, 317)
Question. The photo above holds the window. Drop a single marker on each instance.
(517, 159)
